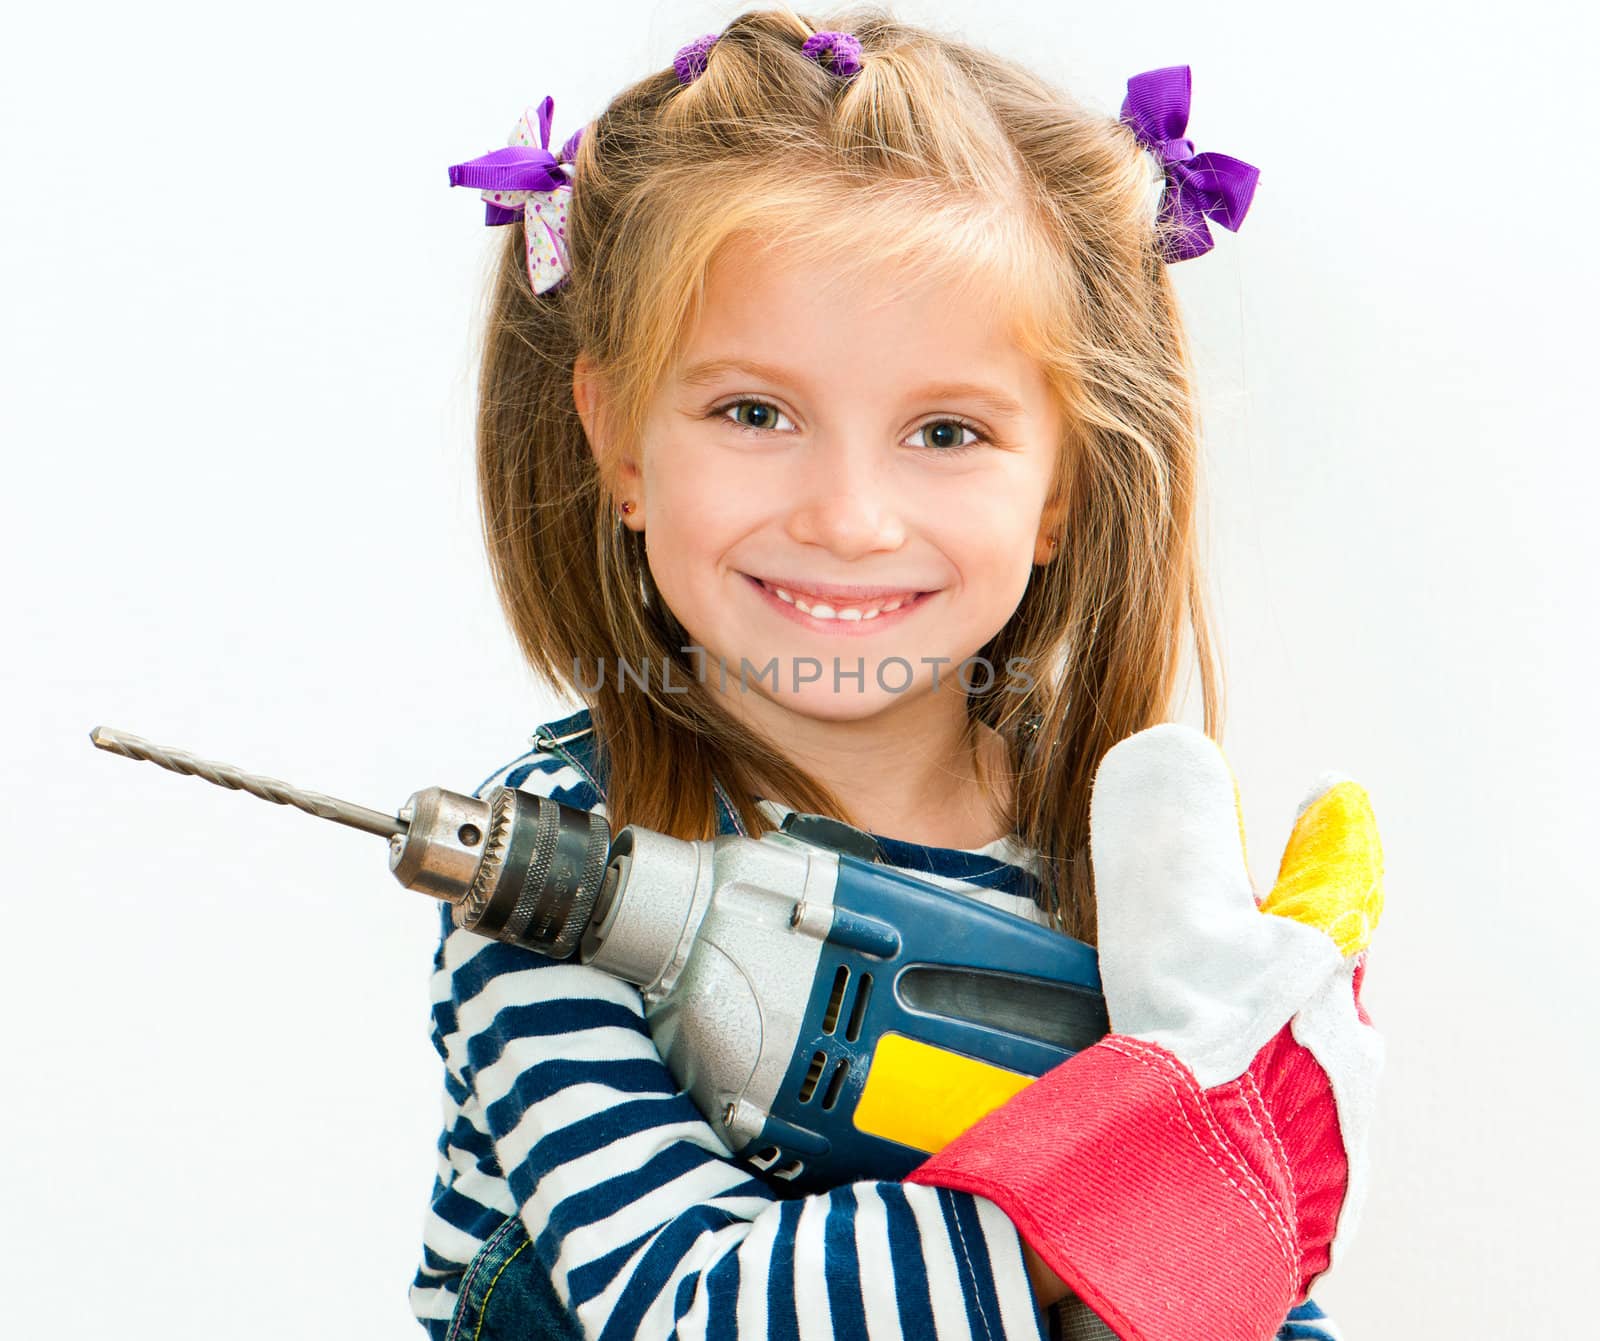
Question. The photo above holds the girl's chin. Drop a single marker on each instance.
(856, 699)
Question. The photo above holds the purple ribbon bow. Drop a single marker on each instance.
(518, 167)
(1199, 186)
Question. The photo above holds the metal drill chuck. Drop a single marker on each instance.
(518, 867)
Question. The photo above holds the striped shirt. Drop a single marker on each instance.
(558, 1110)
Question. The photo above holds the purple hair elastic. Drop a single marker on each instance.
(1198, 186)
(690, 62)
(839, 52)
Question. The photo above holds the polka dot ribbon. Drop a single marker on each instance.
(526, 181)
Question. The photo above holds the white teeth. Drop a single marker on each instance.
(824, 611)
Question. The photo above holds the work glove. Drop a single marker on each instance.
(1193, 1173)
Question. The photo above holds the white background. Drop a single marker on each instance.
(239, 310)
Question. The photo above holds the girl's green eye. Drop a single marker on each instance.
(754, 414)
(945, 434)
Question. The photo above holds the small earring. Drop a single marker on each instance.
(626, 509)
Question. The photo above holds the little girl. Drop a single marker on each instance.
(838, 450)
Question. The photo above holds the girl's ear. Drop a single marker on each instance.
(586, 395)
(621, 474)
(1048, 539)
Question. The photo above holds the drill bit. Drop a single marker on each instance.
(268, 789)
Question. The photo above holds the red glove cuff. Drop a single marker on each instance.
(1171, 1211)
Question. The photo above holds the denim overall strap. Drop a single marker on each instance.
(728, 821)
(574, 739)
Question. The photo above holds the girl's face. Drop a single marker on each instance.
(854, 445)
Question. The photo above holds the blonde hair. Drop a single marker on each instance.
(937, 153)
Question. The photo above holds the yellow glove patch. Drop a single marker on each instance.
(1331, 875)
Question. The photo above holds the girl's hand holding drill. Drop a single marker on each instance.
(1194, 1172)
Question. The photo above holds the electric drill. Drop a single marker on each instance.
(834, 1019)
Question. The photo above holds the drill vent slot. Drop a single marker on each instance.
(1066, 1014)
(808, 1086)
(858, 1012)
(841, 980)
(841, 1068)
(766, 1158)
(793, 1169)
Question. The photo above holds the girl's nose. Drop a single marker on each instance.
(845, 505)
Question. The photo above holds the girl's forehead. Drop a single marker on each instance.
(876, 244)
(745, 281)
(776, 296)
(884, 340)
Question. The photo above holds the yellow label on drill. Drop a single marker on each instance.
(925, 1097)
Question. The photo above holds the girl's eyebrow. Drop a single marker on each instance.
(708, 370)
(997, 402)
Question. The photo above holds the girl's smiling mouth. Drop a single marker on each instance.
(854, 616)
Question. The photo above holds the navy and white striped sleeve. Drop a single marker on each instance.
(559, 1109)
(1307, 1322)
